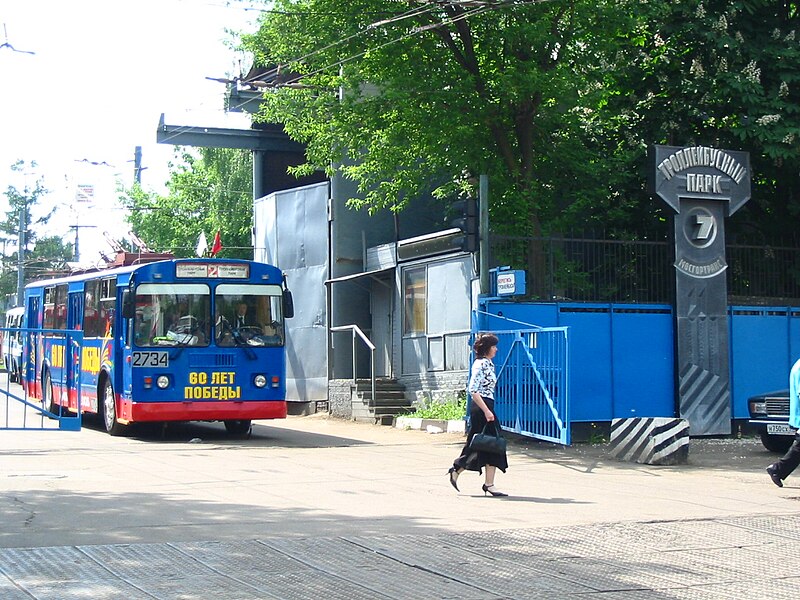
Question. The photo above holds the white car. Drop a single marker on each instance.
(12, 343)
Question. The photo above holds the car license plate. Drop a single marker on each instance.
(779, 429)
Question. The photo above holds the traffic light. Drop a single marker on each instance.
(467, 223)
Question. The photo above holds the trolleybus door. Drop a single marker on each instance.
(72, 346)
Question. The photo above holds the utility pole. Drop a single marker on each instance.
(483, 229)
(137, 165)
(76, 254)
(23, 218)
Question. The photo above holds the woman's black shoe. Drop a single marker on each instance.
(487, 489)
(453, 477)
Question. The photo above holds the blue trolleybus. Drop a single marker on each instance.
(171, 340)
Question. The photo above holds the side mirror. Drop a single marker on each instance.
(128, 306)
(288, 304)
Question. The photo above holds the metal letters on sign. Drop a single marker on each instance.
(702, 173)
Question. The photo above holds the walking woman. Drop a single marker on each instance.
(481, 389)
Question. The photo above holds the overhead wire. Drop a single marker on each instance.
(407, 14)
(481, 8)
(369, 28)
(412, 33)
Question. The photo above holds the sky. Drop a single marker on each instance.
(101, 74)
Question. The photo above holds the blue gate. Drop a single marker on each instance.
(532, 393)
(20, 411)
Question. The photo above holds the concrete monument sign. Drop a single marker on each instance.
(703, 186)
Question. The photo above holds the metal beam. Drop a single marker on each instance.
(267, 140)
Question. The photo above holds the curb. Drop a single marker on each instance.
(431, 425)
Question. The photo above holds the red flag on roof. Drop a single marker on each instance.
(217, 245)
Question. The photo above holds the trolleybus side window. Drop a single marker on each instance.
(55, 307)
(108, 300)
(91, 309)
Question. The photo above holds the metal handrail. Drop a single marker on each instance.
(356, 331)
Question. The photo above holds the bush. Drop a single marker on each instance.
(451, 407)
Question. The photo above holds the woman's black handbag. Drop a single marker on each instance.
(486, 442)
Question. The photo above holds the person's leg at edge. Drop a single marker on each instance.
(780, 470)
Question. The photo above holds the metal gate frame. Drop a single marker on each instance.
(532, 393)
(43, 419)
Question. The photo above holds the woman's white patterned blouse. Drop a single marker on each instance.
(482, 378)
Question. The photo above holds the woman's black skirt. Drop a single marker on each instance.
(475, 461)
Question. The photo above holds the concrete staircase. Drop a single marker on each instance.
(390, 400)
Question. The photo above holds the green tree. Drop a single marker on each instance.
(409, 97)
(209, 193)
(23, 217)
(715, 73)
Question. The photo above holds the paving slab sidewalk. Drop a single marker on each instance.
(169, 517)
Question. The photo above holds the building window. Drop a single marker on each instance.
(414, 301)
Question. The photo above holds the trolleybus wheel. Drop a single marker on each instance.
(47, 394)
(238, 427)
(110, 410)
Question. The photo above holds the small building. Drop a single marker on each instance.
(398, 278)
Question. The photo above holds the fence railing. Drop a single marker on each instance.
(640, 271)
(357, 333)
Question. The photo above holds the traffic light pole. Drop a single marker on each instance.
(483, 233)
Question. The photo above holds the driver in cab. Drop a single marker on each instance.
(243, 328)
(242, 317)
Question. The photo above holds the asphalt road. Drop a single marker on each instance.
(319, 507)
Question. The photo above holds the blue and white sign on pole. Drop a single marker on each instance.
(510, 283)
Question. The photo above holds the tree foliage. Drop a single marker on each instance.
(558, 101)
(22, 204)
(25, 213)
(410, 97)
(714, 73)
(207, 194)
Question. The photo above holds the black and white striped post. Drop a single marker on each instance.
(652, 441)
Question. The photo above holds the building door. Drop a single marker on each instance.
(381, 309)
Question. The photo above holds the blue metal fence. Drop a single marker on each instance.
(621, 356)
(532, 393)
(20, 411)
(532, 364)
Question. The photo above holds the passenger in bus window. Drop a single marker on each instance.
(222, 330)
(141, 334)
(175, 317)
(272, 334)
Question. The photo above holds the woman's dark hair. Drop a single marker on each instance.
(483, 342)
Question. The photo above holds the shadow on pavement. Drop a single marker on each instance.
(261, 436)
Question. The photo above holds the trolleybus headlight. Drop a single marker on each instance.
(260, 381)
(162, 382)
